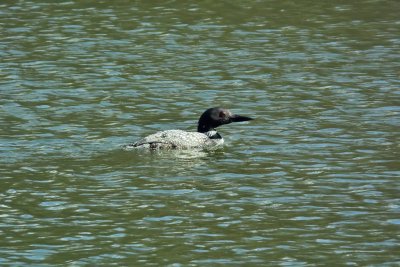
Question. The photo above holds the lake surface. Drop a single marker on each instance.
(312, 181)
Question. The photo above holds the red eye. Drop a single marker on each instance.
(222, 114)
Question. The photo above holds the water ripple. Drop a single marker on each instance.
(312, 179)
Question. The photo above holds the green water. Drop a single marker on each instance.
(312, 181)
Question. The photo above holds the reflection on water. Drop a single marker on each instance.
(177, 160)
(313, 180)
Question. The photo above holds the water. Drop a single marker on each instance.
(313, 181)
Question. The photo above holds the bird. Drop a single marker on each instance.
(206, 136)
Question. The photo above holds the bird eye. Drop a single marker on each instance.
(222, 114)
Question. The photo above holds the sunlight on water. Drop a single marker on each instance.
(313, 180)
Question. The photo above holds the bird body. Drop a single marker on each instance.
(178, 139)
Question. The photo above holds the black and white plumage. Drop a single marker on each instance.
(206, 136)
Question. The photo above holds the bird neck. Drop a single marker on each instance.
(203, 128)
(213, 135)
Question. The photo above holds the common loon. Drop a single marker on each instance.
(205, 137)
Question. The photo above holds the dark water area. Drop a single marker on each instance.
(312, 181)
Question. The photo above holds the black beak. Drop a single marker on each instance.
(238, 118)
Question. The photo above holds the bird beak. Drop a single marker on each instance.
(238, 118)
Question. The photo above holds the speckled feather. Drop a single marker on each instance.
(178, 139)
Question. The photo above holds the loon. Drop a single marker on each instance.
(206, 136)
